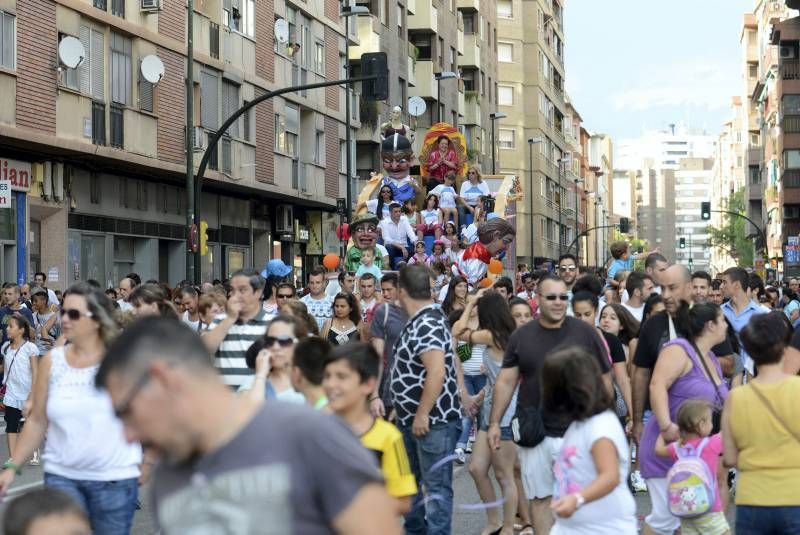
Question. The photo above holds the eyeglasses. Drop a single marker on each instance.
(553, 297)
(75, 314)
(283, 341)
(124, 409)
(568, 268)
(284, 296)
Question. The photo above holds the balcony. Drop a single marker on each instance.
(472, 52)
(411, 76)
(790, 69)
(472, 109)
(426, 17)
(426, 85)
(462, 106)
(369, 40)
(755, 156)
(790, 124)
(469, 5)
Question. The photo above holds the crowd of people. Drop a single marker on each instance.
(258, 406)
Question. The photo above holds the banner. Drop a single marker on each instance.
(330, 242)
(314, 223)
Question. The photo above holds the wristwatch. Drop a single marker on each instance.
(579, 500)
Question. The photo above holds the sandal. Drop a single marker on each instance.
(527, 529)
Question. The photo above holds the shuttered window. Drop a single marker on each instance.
(230, 104)
(146, 90)
(227, 158)
(90, 72)
(209, 100)
(8, 40)
(120, 69)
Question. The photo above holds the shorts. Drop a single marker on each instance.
(536, 467)
(660, 519)
(13, 418)
(505, 432)
(428, 229)
(707, 524)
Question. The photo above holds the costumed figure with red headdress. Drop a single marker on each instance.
(494, 237)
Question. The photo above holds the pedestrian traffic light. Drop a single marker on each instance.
(705, 210)
(375, 63)
(682, 243)
(203, 238)
(624, 225)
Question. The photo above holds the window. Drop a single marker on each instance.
(469, 23)
(342, 156)
(505, 95)
(791, 159)
(68, 77)
(117, 126)
(440, 53)
(292, 129)
(90, 72)
(319, 148)
(505, 138)
(246, 123)
(213, 40)
(752, 71)
(468, 77)
(401, 11)
(490, 89)
(120, 69)
(423, 44)
(504, 9)
(240, 16)
(505, 52)
(98, 123)
(118, 8)
(755, 140)
(209, 100)
(319, 58)
(141, 195)
(385, 12)
(280, 133)
(453, 66)
(230, 104)
(8, 40)
(227, 154)
(99, 4)
(94, 188)
(146, 90)
(791, 104)
(403, 90)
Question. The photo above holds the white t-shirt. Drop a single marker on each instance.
(638, 312)
(614, 513)
(372, 207)
(471, 193)
(194, 325)
(447, 195)
(430, 217)
(124, 306)
(18, 375)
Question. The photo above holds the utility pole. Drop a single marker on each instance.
(190, 255)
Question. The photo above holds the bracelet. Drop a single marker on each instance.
(9, 465)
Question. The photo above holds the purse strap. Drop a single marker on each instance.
(760, 395)
(702, 360)
(7, 374)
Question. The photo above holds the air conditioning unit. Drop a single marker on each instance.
(199, 139)
(151, 5)
(788, 52)
(284, 219)
(58, 181)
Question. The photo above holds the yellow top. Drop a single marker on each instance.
(769, 456)
(386, 442)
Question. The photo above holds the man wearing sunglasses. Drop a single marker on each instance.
(527, 348)
(231, 463)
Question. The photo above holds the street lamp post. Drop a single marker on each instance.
(494, 117)
(531, 142)
(439, 76)
(347, 12)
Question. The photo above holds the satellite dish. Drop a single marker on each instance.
(416, 106)
(152, 69)
(71, 52)
(281, 31)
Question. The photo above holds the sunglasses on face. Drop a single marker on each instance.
(568, 268)
(560, 297)
(284, 296)
(75, 314)
(124, 409)
(283, 341)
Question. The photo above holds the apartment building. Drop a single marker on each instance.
(692, 186)
(104, 149)
(532, 138)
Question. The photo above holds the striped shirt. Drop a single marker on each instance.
(229, 358)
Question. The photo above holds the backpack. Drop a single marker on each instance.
(691, 487)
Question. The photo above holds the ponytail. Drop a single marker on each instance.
(693, 319)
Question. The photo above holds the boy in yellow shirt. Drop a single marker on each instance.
(351, 376)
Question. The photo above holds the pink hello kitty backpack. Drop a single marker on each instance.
(691, 487)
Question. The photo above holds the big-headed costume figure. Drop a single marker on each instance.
(397, 157)
(494, 237)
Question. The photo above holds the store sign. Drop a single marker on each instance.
(302, 234)
(5, 194)
(17, 173)
(791, 252)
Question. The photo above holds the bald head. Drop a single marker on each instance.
(677, 273)
(676, 287)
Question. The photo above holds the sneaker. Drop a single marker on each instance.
(461, 456)
(638, 483)
(469, 446)
(35, 459)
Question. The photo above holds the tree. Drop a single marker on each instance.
(731, 237)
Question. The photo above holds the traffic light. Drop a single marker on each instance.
(682, 243)
(203, 238)
(624, 225)
(705, 210)
(377, 64)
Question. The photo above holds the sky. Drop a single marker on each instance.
(637, 65)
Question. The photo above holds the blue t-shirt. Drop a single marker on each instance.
(620, 265)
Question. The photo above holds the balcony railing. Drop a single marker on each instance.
(790, 69)
(791, 124)
(791, 178)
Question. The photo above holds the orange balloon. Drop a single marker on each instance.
(485, 283)
(495, 266)
(331, 261)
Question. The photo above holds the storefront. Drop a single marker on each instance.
(15, 180)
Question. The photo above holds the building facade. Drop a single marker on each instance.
(692, 186)
(106, 149)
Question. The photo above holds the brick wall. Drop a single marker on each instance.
(171, 107)
(331, 67)
(37, 40)
(331, 157)
(265, 57)
(332, 9)
(172, 20)
(265, 140)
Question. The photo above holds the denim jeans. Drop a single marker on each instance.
(109, 504)
(396, 255)
(763, 520)
(473, 384)
(432, 512)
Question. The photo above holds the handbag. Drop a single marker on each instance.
(527, 427)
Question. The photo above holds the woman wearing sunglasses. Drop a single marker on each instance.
(271, 357)
(86, 454)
